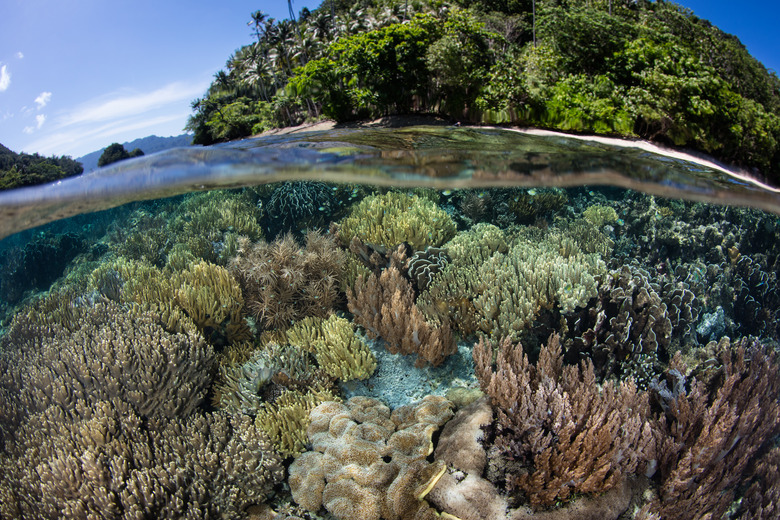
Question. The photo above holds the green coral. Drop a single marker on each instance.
(393, 218)
(338, 350)
(599, 215)
(500, 293)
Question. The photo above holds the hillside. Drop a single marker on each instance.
(648, 69)
(23, 169)
(148, 145)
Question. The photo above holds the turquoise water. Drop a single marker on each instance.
(178, 330)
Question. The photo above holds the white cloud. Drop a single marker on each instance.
(43, 99)
(5, 78)
(39, 120)
(120, 116)
(125, 105)
(20, 55)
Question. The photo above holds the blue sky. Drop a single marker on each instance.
(77, 75)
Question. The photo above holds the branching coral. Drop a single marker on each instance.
(336, 347)
(504, 293)
(570, 436)
(283, 282)
(203, 294)
(384, 305)
(111, 353)
(709, 443)
(105, 461)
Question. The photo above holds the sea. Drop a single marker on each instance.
(393, 323)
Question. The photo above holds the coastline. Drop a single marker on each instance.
(401, 121)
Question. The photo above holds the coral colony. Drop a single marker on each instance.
(309, 350)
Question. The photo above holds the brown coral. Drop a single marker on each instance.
(111, 352)
(709, 442)
(385, 306)
(105, 461)
(283, 282)
(571, 436)
(626, 330)
(367, 462)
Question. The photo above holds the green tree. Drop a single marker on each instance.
(113, 153)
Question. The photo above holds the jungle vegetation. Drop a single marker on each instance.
(640, 68)
(23, 169)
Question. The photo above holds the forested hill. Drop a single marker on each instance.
(147, 145)
(620, 67)
(22, 169)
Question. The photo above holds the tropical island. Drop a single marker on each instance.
(629, 68)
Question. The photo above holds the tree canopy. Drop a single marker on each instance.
(22, 169)
(638, 68)
(116, 152)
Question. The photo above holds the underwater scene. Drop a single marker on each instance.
(398, 324)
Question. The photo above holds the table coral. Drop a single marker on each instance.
(367, 462)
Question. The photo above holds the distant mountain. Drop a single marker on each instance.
(148, 145)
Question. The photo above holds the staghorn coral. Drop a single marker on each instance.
(709, 442)
(562, 433)
(367, 462)
(111, 352)
(384, 306)
(105, 461)
(393, 218)
(336, 347)
(283, 282)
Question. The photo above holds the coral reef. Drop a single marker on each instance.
(462, 491)
(423, 265)
(369, 463)
(625, 331)
(559, 432)
(395, 217)
(283, 282)
(111, 352)
(506, 292)
(105, 461)
(534, 204)
(384, 306)
(599, 215)
(336, 347)
(711, 436)
(37, 264)
(202, 295)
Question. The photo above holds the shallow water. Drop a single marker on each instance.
(165, 325)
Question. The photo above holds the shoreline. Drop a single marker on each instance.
(402, 121)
